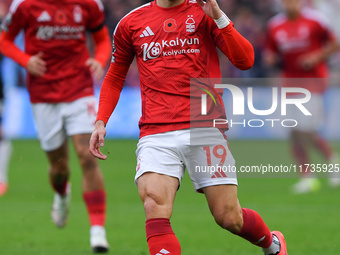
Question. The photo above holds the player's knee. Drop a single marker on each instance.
(155, 203)
(59, 167)
(299, 137)
(87, 161)
(152, 198)
(229, 220)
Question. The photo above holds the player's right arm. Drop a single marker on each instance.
(238, 49)
(15, 21)
(112, 86)
(270, 53)
(97, 139)
(109, 95)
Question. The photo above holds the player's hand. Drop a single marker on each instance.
(96, 68)
(97, 140)
(36, 65)
(211, 8)
(309, 61)
(270, 59)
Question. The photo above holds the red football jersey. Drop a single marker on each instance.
(57, 28)
(171, 46)
(294, 39)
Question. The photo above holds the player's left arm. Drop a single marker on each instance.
(313, 59)
(102, 52)
(270, 54)
(109, 95)
(122, 57)
(237, 48)
(327, 37)
(95, 25)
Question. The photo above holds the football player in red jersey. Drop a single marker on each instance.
(61, 92)
(303, 40)
(174, 41)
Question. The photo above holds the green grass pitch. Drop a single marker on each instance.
(310, 222)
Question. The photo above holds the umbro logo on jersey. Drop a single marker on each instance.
(219, 174)
(147, 32)
(44, 16)
(163, 251)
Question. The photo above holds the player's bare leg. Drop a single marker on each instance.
(158, 193)
(330, 156)
(59, 174)
(5, 155)
(93, 192)
(92, 177)
(248, 224)
(59, 167)
(225, 207)
(301, 142)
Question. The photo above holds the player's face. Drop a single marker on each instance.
(292, 6)
(169, 3)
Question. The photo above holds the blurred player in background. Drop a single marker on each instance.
(153, 33)
(61, 92)
(5, 146)
(302, 40)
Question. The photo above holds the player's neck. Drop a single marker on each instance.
(293, 15)
(168, 3)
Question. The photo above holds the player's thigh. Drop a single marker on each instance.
(49, 123)
(158, 186)
(159, 172)
(308, 123)
(157, 192)
(209, 160)
(80, 116)
(81, 145)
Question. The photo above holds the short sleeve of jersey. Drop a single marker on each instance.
(123, 52)
(16, 19)
(96, 15)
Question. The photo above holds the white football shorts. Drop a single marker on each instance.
(204, 152)
(55, 122)
(311, 123)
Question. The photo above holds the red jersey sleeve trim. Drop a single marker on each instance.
(102, 46)
(9, 49)
(110, 92)
(238, 49)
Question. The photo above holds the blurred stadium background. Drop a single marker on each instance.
(310, 222)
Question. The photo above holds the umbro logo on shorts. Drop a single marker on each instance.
(163, 251)
(147, 32)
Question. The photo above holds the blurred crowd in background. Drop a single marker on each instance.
(250, 18)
